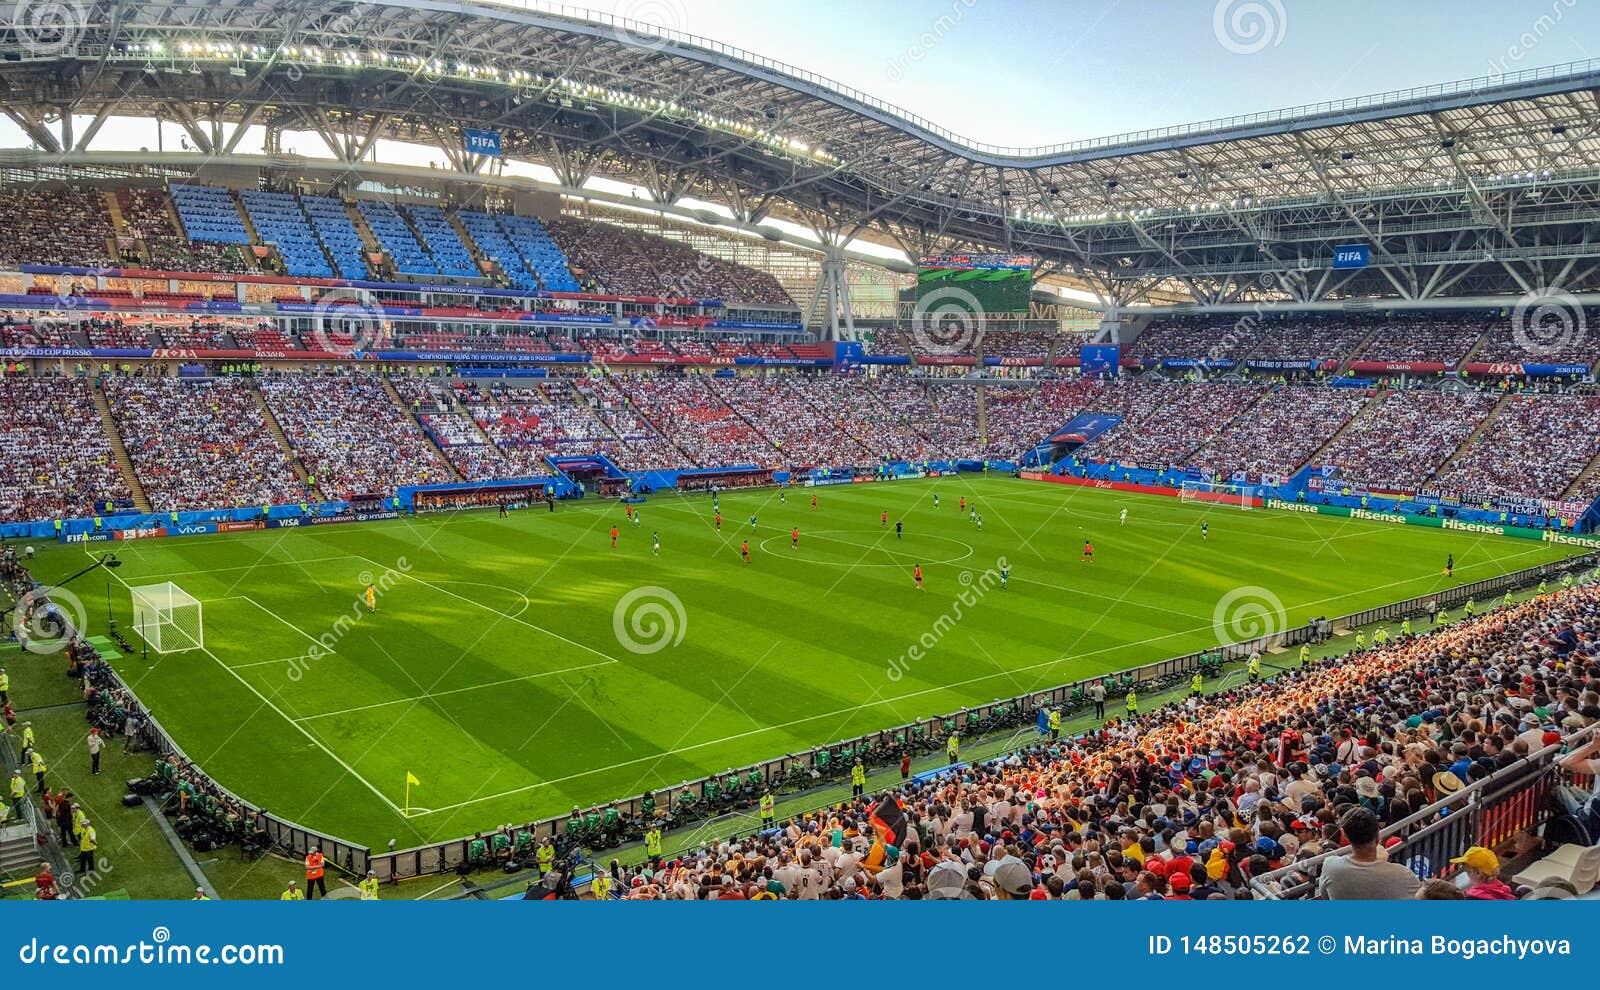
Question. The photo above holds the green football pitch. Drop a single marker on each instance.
(518, 666)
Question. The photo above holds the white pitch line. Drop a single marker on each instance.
(275, 615)
(282, 714)
(247, 567)
(459, 690)
(882, 701)
(504, 615)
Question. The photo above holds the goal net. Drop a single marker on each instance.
(1216, 493)
(167, 618)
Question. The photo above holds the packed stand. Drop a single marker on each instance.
(1560, 337)
(1205, 799)
(687, 412)
(1166, 422)
(201, 444)
(58, 460)
(350, 435)
(795, 413)
(56, 227)
(1280, 432)
(634, 263)
(1537, 446)
(1445, 338)
(1405, 438)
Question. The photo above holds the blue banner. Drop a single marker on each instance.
(249, 944)
(481, 142)
(1351, 256)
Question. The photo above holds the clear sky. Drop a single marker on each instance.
(1031, 72)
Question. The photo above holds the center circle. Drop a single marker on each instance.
(886, 547)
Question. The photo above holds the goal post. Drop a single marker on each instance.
(1216, 493)
(168, 618)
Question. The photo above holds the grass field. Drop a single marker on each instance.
(520, 666)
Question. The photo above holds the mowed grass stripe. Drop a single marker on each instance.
(504, 721)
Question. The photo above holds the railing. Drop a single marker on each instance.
(347, 856)
(438, 857)
(1488, 812)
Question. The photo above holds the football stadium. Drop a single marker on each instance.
(500, 451)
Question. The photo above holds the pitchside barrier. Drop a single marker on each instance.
(447, 856)
(1494, 812)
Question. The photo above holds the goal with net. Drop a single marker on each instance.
(1217, 493)
(168, 618)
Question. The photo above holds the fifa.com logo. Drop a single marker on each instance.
(160, 950)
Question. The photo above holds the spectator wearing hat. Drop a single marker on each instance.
(1483, 873)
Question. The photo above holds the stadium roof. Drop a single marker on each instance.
(1477, 187)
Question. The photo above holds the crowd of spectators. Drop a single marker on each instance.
(1536, 446)
(201, 443)
(686, 411)
(57, 459)
(1439, 338)
(797, 415)
(1198, 337)
(1208, 798)
(1166, 422)
(1280, 432)
(350, 435)
(1559, 338)
(629, 262)
(1405, 438)
(60, 226)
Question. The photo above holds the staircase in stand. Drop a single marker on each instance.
(406, 411)
(1590, 470)
(1363, 413)
(114, 435)
(1472, 438)
(276, 430)
(477, 427)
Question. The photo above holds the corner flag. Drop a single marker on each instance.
(411, 781)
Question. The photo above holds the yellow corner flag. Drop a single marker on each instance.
(411, 781)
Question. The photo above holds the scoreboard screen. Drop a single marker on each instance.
(1001, 283)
